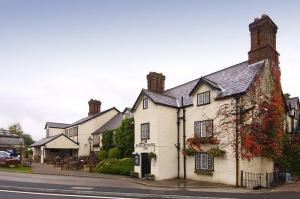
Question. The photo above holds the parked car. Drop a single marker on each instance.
(6, 160)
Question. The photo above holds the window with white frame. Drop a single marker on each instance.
(145, 131)
(203, 128)
(203, 98)
(145, 103)
(204, 161)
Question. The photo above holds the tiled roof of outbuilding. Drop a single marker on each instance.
(233, 80)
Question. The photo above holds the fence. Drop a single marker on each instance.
(262, 180)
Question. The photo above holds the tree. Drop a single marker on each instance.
(17, 129)
(124, 137)
(290, 159)
(107, 140)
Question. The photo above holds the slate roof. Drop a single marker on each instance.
(292, 102)
(6, 133)
(56, 125)
(44, 141)
(63, 126)
(127, 109)
(111, 124)
(91, 117)
(232, 80)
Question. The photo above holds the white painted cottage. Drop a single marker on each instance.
(165, 119)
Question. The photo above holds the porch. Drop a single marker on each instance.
(49, 148)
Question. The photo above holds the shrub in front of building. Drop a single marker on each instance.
(102, 155)
(114, 166)
(114, 153)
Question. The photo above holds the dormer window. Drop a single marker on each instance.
(145, 103)
(47, 133)
(203, 98)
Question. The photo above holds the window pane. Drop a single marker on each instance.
(209, 128)
(200, 98)
(145, 134)
(210, 162)
(197, 129)
(206, 97)
(204, 161)
(203, 130)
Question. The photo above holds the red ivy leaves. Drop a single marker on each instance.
(266, 134)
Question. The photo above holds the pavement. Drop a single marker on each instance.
(38, 168)
(31, 186)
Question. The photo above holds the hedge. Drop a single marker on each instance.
(117, 167)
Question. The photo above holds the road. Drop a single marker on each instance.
(37, 186)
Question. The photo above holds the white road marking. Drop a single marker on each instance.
(82, 188)
(115, 194)
(62, 195)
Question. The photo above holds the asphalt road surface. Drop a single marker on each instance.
(36, 186)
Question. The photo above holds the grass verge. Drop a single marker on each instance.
(20, 168)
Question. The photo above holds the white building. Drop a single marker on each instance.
(72, 139)
(165, 119)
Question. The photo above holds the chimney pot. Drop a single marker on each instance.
(263, 40)
(156, 82)
(94, 107)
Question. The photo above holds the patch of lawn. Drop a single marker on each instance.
(20, 168)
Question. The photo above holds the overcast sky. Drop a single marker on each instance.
(55, 55)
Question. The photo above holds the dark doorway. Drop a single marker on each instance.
(146, 164)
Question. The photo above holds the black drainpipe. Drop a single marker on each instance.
(178, 144)
(184, 137)
(237, 141)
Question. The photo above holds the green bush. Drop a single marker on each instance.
(107, 140)
(114, 153)
(102, 155)
(117, 167)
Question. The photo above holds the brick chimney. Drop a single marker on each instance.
(156, 82)
(263, 40)
(94, 107)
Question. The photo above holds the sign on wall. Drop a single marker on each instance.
(136, 159)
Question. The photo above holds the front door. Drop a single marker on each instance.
(146, 164)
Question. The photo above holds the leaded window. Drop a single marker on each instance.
(203, 128)
(203, 98)
(204, 161)
(145, 131)
(145, 103)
